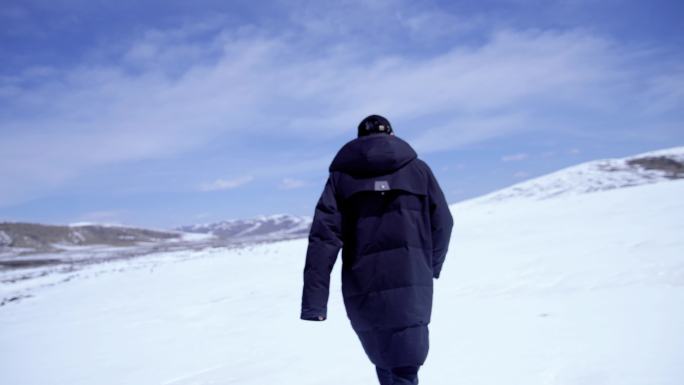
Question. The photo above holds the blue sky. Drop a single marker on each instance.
(162, 113)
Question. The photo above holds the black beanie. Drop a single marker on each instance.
(374, 124)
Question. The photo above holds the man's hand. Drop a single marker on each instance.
(318, 317)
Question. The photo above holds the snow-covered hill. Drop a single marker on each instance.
(263, 227)
(575, 289)
(599, 175)
(19, 238)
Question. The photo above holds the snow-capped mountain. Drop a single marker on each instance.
(263, 227)
(599, 175)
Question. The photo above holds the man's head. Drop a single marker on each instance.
(375, 124)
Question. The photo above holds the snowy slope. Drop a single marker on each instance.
(600, 175)
(575, 290)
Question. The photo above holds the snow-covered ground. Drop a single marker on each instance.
(599, 175)
(573, 290)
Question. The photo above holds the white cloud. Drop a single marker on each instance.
(226, 184)
(291, 183)
(166, 96)
(102, 216)
(466, 131)
(514, 157)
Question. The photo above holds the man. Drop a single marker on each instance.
(381, 205)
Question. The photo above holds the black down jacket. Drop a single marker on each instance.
(381, 205)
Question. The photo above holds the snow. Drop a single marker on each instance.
(676, 153)
(194, 237)
(5, 239)
(572, 290)
(100, 224)
(598, 175)
(76, 237)
(265, 227)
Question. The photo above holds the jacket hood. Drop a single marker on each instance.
(373, 155)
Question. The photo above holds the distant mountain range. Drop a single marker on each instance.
(263, 227)
(47, 237)
(17, 238)
(31, 238)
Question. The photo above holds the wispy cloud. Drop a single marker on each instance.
(514, 157)
(291, 183)
(102, 216)
(169, 92)
(226, 184)
(468, 130)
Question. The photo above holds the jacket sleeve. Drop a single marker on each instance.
(325, 241)
(441, 223)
